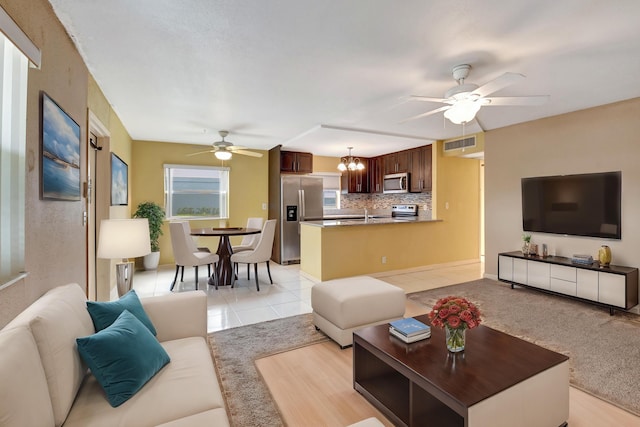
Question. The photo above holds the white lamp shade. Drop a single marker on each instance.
(124, 238)
(222, 155)
(463, 111)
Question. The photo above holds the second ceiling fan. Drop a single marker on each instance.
(224, 149)
(465, 100)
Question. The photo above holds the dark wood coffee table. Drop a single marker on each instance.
(498, 380)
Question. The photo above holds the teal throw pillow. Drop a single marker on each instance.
(123, 357)
(104, 314)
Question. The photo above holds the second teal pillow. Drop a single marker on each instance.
(104, 314)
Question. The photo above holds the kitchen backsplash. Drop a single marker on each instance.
(384, 201)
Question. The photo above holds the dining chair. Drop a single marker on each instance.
(261, 253)
(185, 252)
(249, 241)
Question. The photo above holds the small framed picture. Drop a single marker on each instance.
(60, 149)
(119, 182)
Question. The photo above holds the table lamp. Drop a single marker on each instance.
(124, 239)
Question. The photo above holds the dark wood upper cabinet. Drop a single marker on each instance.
(296, 162)
(356, 181)
(376, 174)
(420, 169)
(396, 162)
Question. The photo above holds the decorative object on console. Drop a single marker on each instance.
(456, 315)
(124, 239)
(604, 256)
(349, 162)
(582, 259)
(533, 249)
(526, 239)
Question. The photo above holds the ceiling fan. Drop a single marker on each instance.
(465, 100)
(224, 149)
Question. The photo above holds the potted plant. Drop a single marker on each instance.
(155, 215)
(526, 243)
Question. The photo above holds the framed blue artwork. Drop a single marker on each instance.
(60, 165)
(119, 182)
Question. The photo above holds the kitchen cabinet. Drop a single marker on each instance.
(612, 287)
(356, 181)
(420, 161)
(296, 162)
(376, 174)
(396, 162)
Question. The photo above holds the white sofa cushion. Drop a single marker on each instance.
(24, 395)
(186, 386)
(56, 320)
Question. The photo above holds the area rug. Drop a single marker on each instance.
(604, 350)
(247, 397)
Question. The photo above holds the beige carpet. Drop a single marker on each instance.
(248, 400)
(604, 350)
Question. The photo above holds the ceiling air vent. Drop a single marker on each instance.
(460, 144)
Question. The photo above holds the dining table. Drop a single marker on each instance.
(224, 269)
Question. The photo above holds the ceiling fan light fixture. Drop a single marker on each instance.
(222, 155)
(350, 163)
(462, 111)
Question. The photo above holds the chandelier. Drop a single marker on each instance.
(350, 163)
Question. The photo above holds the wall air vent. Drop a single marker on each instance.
(460, 144)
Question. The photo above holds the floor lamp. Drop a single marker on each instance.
(124, 239)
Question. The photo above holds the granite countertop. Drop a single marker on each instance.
(371, 221)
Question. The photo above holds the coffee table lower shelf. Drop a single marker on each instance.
(411, 384)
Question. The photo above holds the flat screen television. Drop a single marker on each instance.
(578, 205)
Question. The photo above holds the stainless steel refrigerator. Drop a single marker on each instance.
(301, 200)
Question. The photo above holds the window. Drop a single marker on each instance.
(330, 189)
(196, 192)
(14, 67)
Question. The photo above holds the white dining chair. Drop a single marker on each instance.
(185, 252)
(249, 241)
(261, 253)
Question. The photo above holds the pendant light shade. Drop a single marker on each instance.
(350, 163)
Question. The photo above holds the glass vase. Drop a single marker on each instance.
(455, 338)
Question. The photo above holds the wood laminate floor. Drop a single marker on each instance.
(313, 386)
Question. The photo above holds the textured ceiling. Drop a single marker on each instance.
(322, 75)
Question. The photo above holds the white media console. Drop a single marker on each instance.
(615, 287)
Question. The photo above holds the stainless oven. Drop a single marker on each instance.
(396, 183)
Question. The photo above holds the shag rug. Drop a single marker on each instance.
(248, 400)
(604, 350)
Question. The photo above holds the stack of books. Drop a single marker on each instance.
(582, 259)
(409, 330)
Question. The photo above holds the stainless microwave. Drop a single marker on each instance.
(396, 183)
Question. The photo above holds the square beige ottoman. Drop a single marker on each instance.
(341, 306)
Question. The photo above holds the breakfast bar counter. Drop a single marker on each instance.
(331, 249)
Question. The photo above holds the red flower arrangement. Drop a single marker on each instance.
(455, 312)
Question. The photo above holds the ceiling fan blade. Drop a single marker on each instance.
(428, 113)
(428, 99)
(498, 83)
(247, 153)
(517, 100)
(200, 152)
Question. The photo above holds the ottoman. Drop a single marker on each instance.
(343, 305)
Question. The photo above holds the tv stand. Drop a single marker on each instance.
(614, 287)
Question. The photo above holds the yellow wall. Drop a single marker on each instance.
(333, 252)
(325, 164)
(248, 186)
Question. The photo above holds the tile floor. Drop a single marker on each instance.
(290, 294)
